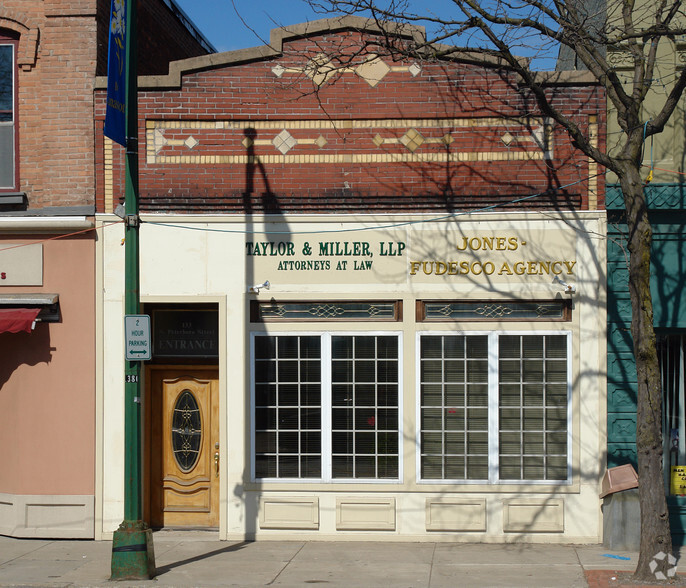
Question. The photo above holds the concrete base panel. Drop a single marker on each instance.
(55, 517)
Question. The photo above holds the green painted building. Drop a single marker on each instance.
(667, 203)
(665, 174)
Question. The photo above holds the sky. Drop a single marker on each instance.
(239, 24)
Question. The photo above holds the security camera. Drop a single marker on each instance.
(256, 288)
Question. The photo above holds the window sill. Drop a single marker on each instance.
(13, 199)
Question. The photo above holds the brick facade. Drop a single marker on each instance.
(248, 132)
(62, 46)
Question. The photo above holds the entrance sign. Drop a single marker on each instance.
(137, 328)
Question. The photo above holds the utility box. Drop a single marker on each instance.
(621, 509)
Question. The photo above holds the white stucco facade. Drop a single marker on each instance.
(496, 259)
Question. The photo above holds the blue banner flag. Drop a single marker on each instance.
(115, 113)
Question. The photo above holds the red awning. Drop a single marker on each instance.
(16, 320)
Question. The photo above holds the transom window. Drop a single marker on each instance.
(326, 406)
(494, 407)
(7, 114)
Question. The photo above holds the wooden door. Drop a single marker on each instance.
(184, 448)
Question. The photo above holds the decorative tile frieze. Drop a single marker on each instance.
(320, 69)
(346, 141)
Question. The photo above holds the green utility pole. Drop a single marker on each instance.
(133, 556)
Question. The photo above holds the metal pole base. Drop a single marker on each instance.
(133, 553)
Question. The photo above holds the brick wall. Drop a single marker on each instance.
(256, 135)
(55, 117)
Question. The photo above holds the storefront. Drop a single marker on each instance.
(405, 377)
(47, 375)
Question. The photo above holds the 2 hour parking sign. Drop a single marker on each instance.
(137, 328)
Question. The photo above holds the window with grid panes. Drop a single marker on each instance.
(520, 382)
(326, 406)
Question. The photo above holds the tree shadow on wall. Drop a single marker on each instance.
(17, 349)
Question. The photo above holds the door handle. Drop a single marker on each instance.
(216, 460)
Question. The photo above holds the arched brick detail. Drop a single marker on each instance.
(28, 36)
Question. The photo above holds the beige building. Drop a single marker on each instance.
(429, 380)
(377, 301)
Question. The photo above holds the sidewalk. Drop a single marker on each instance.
(194, 559)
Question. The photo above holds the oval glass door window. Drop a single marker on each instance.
(186, 433)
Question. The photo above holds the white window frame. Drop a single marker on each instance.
(493, 409)
(326, 406)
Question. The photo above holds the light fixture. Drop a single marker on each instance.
(257, 287)
(569, 288)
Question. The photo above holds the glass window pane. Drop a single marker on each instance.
(6, 78)
(531, 410)
(432, 395)
(387, 395)
(477, 467)
(365, 347)
(310, 347)
(288, 418)
(265, 394)
(365, 371)
(265, 442)
(455, 394)
(387, 444)
(341, 394)
(342, 418)
(454, 467)
(365, 395)
(310, 371)
(265, 466)
(287, 412)
(453, 347)
(432, 467)
(288, 371)
(431, 347)
(454, 443)
(431, 371)
(6, 151)
(342, 371)
(365, 443)
(342, 442)
(310, 419)
(288, 347)
(310, 394)
(464, 380)
(387, 371)
(288, 395)
(477, 346)
(342, 347)
(532, 346)
(342, 466)
(265, 371)
(265, 347)
(387, 348)
(288, 442)
(289, 466)
(310, 466)
(370, 416)
(365, 467)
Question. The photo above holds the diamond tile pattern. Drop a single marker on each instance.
(284, 141)
(413, 140)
